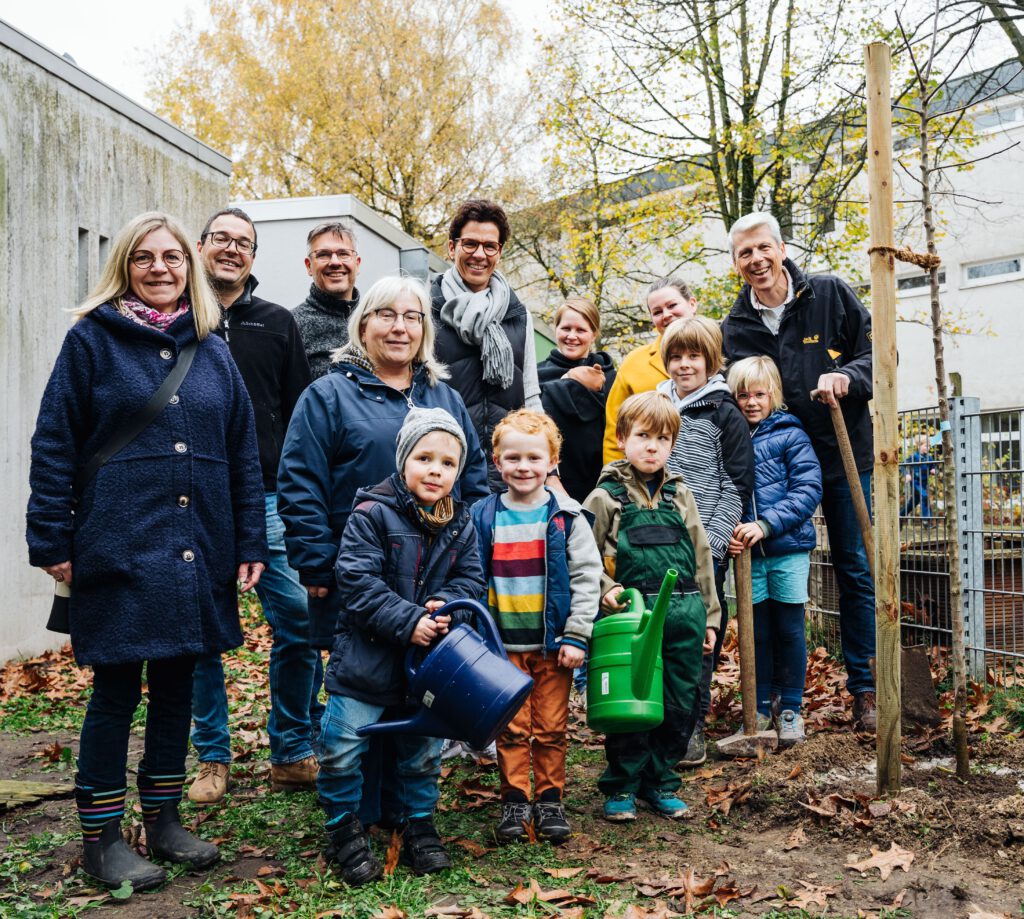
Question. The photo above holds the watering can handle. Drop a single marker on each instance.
(482, 617)
(633, 598)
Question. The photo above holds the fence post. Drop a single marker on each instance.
(965, 420)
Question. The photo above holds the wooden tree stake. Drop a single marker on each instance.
(877, 58)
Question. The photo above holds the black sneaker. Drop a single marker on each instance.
(422, 847)
(550, 823)
(515, 815)
(696, 750)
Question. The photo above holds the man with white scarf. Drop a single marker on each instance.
(484, 332)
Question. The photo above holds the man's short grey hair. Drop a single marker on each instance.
(749, 222)
(340, 228)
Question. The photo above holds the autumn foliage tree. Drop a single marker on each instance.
(409, 106)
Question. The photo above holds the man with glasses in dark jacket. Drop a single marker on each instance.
(819, 335)
(268, 349)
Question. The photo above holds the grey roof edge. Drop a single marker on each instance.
(30, 49)
(327, 207)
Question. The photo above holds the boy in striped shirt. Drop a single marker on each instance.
(543, 574)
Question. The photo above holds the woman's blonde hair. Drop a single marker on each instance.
(115, 281)
(651, 410)
(757, 371)
(586, 308)
(382, 295)
(695, 333)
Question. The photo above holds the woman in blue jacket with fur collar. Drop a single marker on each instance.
(154, 543)
(778, 526)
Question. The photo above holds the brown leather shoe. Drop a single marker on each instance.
(211, 784)
(299, 776)
(864, 716)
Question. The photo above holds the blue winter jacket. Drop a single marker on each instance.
(787, 485)
(389, 565)
(342, 438)
(157, 535)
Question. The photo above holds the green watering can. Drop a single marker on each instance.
(624, 688)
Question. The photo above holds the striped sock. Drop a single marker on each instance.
(96, 807)
(157, 790)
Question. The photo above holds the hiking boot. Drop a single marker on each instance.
(167, 839)
(620, 808)
(298, 776)
(421, 847)
(515, 815)
(550, 823)
(211, 784)
(666, 803)
(791, 729)
(111, 861)
(696, 750)
(349, 850)
(864, 716)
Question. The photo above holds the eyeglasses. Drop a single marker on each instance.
(221, 240)
(325, 255)
(390, 317)
(173, 258)
(471, 245)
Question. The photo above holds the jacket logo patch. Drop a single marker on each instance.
(835, 355)
(253, 324)
(811, 340)
(559, 524)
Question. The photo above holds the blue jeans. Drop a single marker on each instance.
(780, 654)
(296, 669)
(116, 690)
(417, 763)
(853, 576)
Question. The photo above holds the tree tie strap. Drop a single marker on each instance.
(905, 254)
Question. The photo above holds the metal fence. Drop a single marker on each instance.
(988, 502)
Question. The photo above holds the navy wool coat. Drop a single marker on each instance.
(389, 566)
(157, 536)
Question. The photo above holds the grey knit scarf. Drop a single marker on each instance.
(476, 317)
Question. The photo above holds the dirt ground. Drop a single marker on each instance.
(772, 834)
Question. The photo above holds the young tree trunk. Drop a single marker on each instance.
(963, 764)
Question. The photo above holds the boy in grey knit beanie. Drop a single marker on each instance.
(418, 424)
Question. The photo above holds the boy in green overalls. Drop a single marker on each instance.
(645, 522)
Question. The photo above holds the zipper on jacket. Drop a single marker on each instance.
(227, 326)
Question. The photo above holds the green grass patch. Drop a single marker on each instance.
(27, 714)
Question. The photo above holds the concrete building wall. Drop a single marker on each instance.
(77, 161)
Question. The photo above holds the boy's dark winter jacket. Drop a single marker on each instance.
(825, 329)
(389, 566)
(157, 536)
(266, 345)
(787, 485)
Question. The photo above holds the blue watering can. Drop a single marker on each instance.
(468, 688)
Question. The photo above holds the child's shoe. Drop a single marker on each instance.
(550, 823)
(666, 803)
(791, 729)
(350, 851)
(620, 808)
(422, 849)
(515, 815)
(696, 750)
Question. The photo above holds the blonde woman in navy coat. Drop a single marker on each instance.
(158, 538)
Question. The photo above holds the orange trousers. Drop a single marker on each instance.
(537, 734)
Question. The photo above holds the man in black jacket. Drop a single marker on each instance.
(266, 345)
(819, 335)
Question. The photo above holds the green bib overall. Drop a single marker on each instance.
(652, 540)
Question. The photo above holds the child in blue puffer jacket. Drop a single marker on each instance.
(407, 549)
(777, 526)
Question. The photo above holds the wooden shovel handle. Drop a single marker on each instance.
(745, 629)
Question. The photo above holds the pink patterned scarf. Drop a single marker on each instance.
(132, 307)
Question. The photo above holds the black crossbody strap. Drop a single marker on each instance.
(140, 420)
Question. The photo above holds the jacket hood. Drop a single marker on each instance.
(776, 421)
(394, 493)
(714, 384)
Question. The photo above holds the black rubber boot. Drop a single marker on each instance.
(167, 839)
(111, 861)
(349, 850)
(422, 849)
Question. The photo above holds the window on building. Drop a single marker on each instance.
(918, 283)
(104, 250)
(999, 118)
(83, 264)
(997, 268)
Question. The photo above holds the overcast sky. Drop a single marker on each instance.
(112, 39)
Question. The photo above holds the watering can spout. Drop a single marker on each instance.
(647, 642)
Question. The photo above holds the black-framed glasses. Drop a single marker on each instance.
(471, 245)
(172, 258)
(325, 255)
(221, 240)
(390, 317)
